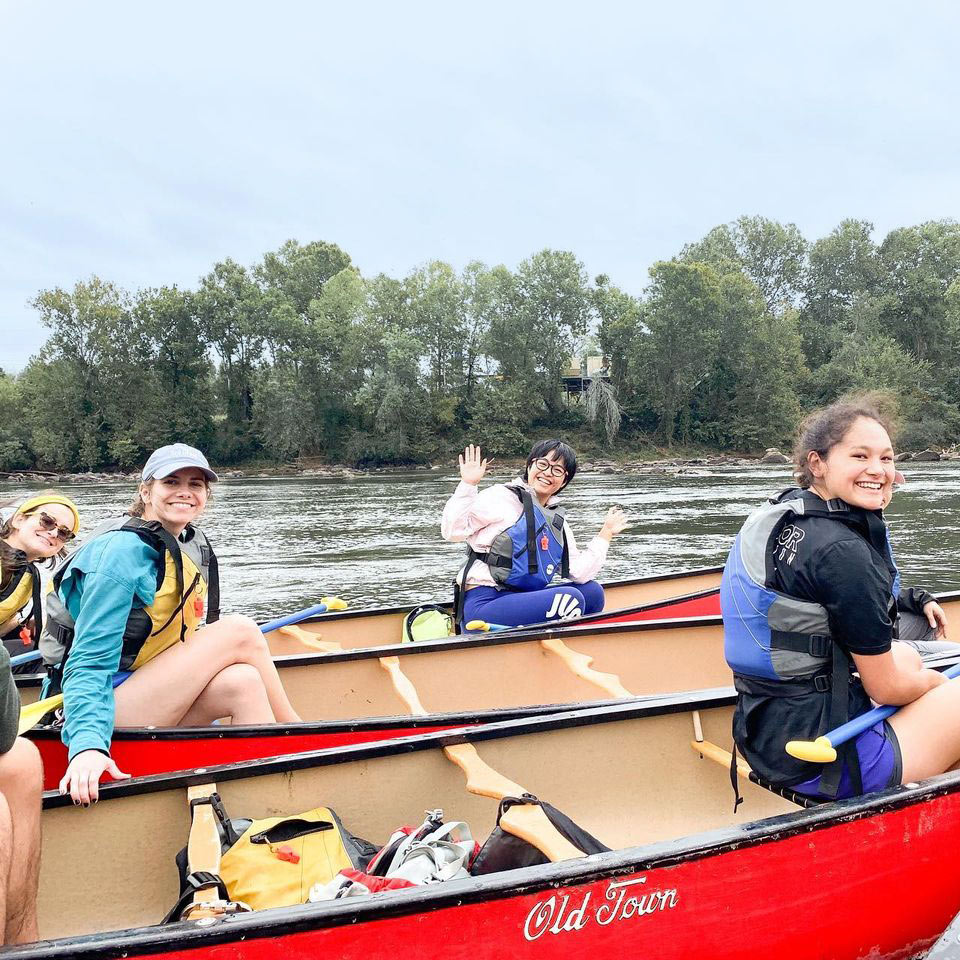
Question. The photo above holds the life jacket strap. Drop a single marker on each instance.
(839, 714)
(527, 499)
(820, 683)
(213, 586)
(815, 644)
(734, 780)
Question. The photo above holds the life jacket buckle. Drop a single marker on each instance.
(819, 645)
(821, 683)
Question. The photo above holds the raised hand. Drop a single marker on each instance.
(615, 522)
(472, 468)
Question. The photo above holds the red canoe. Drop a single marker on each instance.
(684, 878)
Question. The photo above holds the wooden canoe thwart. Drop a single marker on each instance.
(685, 877)
(348, 698)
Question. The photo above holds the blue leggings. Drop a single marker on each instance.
(514, 609)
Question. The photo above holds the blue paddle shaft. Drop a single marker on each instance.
(266, 628)
(856, 726)
(25, 658)
(293, 618)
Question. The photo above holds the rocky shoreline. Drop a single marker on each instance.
(673, 465)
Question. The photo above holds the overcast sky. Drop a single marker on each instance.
(144, 141)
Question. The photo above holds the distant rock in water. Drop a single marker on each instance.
(773, 455)
(926, 455)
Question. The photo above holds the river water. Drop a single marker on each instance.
(375, 540)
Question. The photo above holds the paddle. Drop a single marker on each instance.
(823, 749)
(576, 663)
(24, 658)
(527, 821)
(32, 713)
(485, 627)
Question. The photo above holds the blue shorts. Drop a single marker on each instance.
(515, 608)
(880, 765)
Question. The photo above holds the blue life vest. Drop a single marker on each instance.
(529, 555)
(770, 636)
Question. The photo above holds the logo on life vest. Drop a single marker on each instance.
(787, 543)
(564, 607)
(557, 914)
(544, 542)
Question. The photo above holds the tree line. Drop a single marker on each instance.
(299, 355)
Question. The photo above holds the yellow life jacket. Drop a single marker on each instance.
(177, 610)
(24, 587)
(276, 861)
(187, 589)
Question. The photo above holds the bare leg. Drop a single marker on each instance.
(21, 783)
(6, 849)
(162, 691)
(235, 692)
(929, 732)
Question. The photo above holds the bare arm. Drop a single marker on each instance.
(896, 677)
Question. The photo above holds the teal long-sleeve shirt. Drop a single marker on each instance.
(106, 579)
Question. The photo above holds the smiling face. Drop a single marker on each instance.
(28, 533)
(175, 500)
(540, 476)
(859, 469)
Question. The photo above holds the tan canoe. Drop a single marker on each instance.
(350, 697)
(381, 626)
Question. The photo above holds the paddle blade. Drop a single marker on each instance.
(820, 750)
(481, 625)
(33, 713)
(334, 603)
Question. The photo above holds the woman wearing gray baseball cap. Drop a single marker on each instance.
(134, 634)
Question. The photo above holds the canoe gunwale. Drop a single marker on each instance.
(521, 882)
(239, 731)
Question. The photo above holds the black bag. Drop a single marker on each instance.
(504, 851)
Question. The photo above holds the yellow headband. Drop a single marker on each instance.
(28, 506)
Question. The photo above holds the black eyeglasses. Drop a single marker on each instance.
(65, 534)
(547, 466)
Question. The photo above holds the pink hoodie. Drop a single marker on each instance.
(478, 518)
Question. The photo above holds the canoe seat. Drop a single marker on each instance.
(712, 752)
(800, 799)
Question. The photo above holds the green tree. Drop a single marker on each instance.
(296, 273)
(534, 342)
(919, 264)
(684, 308)
(233, 314)
(620, 318)
(771, 254)
(87, 368)
(15, 451)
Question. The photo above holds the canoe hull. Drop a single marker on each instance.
(794, 897)
(830, 882)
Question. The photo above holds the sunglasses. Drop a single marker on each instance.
(546, 466)
(64, 534)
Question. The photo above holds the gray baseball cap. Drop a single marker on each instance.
(173, 457)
